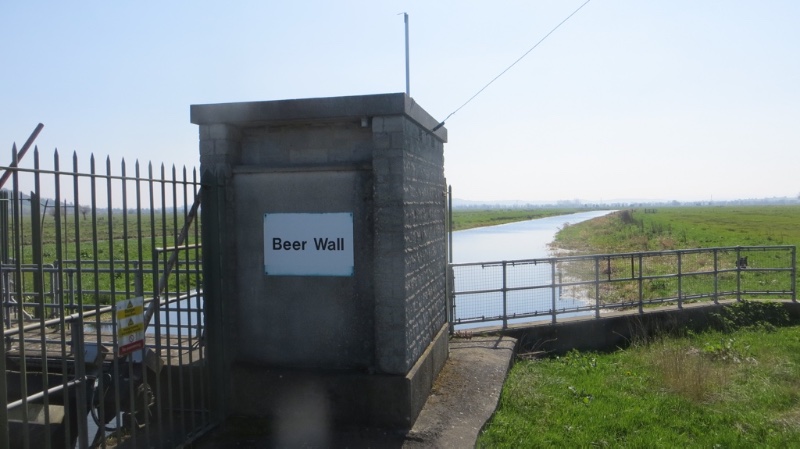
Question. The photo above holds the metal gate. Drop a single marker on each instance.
(101, 304)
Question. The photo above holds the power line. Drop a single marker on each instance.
(512, 65)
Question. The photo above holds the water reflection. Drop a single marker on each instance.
(180, 317)
(513, 241)
(183, 317)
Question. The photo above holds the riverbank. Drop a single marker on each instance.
(474, 218)
(682, 227)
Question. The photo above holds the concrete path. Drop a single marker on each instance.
(465, 394)
(463, 399)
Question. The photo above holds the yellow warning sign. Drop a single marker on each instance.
(129, 312)
(131, 329)
(129, 315)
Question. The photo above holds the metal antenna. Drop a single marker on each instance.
(408, 79)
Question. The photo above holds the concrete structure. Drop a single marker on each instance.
(619, 329)
(364, 345)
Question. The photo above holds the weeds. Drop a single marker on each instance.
(709, 389)
(688, 372)
(765, 316)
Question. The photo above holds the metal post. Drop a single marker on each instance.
(641, 290)
(794, 274)
(505, 298)
(18, 156)
(4, 442)
(553, 277)
(36, 251)
(680, 281)
(716, 277)
(138, 279)
(80, 373)
(71, 289)
(451, 299)
(408, 80)
(633, 270)
(738, 276)
(597, 286)
(5, 204)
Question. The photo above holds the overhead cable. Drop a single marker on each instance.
(512, 65)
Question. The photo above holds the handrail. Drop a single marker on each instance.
(510, 290)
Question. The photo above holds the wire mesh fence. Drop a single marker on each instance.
(509, 292)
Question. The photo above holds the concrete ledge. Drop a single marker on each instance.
(285, 111)
(423, 374)
(618, 329)
(466, 393)
(320, 401)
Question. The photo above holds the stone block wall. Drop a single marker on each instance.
(373, 156)
(410, 251)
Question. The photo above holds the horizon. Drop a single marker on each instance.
(776, 200)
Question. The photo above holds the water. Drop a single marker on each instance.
(513, 241)
(188, 312)
(176, 318)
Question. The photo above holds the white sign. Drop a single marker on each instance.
(308, 244)
(129, 316)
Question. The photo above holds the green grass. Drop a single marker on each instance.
(474, 218)
(95, 243)
(684, 227)
(712, 389)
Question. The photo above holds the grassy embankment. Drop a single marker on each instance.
(474, 218)
(714, 389)
(733, 386)
(683, 227)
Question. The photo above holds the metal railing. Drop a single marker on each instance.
(519, 291)
(60, 285)
(81, 369)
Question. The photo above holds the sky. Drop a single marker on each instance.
(687, 100)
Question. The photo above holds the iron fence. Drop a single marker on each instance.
(509, 292)
(102, 307)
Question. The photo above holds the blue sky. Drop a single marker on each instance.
(658, 99)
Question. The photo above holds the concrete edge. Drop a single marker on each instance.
(423, 374)
(304, 109)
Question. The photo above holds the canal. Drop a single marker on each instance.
(523, 240)
(514, 241)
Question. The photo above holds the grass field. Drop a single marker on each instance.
(684, 227)
(109, 240)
